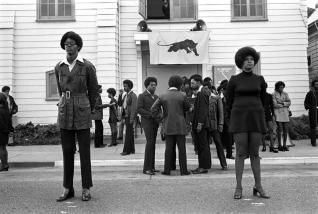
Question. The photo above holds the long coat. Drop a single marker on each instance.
(74, 113)
(130, 110)
(174, 105)
(311, 105)
(13, 106)
(5, 123)
(216, 115)
(201, 109)
(281, 104)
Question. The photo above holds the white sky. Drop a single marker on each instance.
(311, 3)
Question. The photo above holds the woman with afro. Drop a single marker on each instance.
(245, 97)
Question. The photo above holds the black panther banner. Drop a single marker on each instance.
(179, 47)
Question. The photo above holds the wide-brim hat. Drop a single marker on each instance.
(242, 53)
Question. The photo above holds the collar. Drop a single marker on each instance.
(172, 88)
(78, 58)
(200, 88)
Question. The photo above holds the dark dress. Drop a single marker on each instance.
(245, 97)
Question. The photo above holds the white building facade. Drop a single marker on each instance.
(30, 32)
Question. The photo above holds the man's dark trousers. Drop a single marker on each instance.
(99, 132)
(129, 143)
(227, 140)
(219, 147)
(150, 127)
(68, 147)
(171, 141)
(203, 147)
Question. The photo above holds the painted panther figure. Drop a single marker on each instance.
(187, 45)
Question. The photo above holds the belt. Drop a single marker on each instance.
(69, 94)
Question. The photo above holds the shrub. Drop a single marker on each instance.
(299, 128)
(28, 134)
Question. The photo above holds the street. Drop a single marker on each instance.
(293, 189)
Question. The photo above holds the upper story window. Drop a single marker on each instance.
(55, 10)
(174, 10)
(249, 10)
(51, 86)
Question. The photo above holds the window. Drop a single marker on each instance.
(249, 10)
(51, 86)
(55, 10)
(175, 10)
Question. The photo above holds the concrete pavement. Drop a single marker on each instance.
(51, 155)
(293, 189)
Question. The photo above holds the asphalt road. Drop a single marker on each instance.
(293, 189)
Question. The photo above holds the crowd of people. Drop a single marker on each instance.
(239, 110)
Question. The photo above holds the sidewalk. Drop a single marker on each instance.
(51, 156)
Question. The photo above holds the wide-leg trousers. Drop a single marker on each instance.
(150, 127)
(99, 133)
(68, 147)
(129, 143)
(204, 153)
(171, 142)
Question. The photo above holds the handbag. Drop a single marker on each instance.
(290, 112)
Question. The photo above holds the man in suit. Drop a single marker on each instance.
(200, 124)
(149, 124)
(13, 108)
(129, 104)
(174, 106)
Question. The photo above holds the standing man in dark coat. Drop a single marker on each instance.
(174, 106)
(312, 105)
(13, 107)
(5, 129)
(97, 116)
(129, 104)
(148, 122)
(200, 124)
(77, 85)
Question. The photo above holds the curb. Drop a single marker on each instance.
(31, 164)
(160, 162)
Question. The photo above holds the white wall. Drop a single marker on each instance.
(28, 48)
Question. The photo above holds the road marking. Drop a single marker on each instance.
(247, 199)
(72, 206)
(258, 204)
(63, 212)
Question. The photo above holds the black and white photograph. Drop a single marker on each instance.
(158, 106)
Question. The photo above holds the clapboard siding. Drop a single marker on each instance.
(282, 42)
(36, 50)
(29, 48)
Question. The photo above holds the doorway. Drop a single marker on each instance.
(164, 72)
